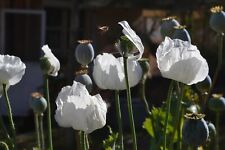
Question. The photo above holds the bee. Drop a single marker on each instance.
(103, 28)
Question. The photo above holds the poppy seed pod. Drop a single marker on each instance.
(85, 80)
(38, 103)
(195, 131)
(217, 19)
(181, 33)
(212, 130)
(167, 26)
(84, 52)
(205, 85)
(217, 103)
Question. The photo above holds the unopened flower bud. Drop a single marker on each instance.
(38, 103)
(217, 19)
(84, 52)
(167, 26)
(217, 103)
(181, 33)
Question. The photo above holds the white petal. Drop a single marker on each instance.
(12, 69)
(133, 37)
(108, 72)
(134, 72)
(96, 114)
(55, 65)
(181, 61)
(79, 110)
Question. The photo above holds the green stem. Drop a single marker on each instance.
(219, 63)
(82, 140)
(143, 97)
(50, 146)
(86, 141)
(11, 123)
(177, 117)
(42, 131)
(217, 130)
(180, 125)
(129, 105)
(37, 130)
(119, 120)
(147, 109)
(3, 127)
(168, 103)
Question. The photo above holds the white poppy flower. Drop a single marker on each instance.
(79, 110)
(108, 72)
(12, 69)
(181, 61)
(53, 61)
(134, 38)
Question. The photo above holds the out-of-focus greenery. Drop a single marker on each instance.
(110, 142)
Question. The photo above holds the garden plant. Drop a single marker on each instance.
(179, 124)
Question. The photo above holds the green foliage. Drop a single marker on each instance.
(110, 142)
(157, 120)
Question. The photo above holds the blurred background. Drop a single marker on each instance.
(26, 25)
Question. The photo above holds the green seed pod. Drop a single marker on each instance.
(217, 103)
(38, 103)
(167, 26)
(217, 19)
(85, 80)
(195, 131)
(181, 33)
(3, 146)
(84, 52)
(205, 85)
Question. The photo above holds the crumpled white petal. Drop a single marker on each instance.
(79, 110)
(108, 72)
(54, 62)
(12, 69)
(134, 38)
(181, 61)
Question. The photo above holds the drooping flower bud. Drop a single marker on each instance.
(167, 26)
(38, 103)
(84, 52)
(195, 131)
(205, 85)
(217, 103)
(181, 33)
(3, 146)
(144, 65)
(217, 19)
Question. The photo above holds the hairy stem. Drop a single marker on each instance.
(119, 119)
(129, 105)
